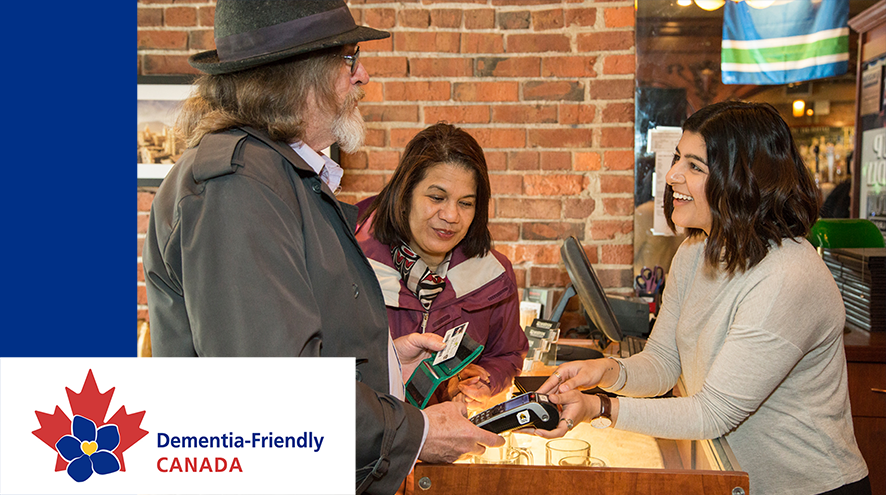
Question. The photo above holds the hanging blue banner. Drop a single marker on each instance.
(791, 41)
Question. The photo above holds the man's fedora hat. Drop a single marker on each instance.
(249, 33)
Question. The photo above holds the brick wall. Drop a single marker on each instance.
(545, 86)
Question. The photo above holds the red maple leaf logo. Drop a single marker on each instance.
(91, 404)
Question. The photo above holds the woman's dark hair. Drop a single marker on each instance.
(758, 188)
(435, 145)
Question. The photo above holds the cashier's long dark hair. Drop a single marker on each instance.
(435, 145)
(758, 188)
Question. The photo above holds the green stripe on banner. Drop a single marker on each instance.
(790, 53)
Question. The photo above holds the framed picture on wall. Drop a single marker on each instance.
(159, 100)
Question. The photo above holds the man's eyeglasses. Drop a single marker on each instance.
(352, 60)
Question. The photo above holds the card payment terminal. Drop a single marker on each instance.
(528, 410)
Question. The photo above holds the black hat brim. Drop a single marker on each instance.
(209, 63)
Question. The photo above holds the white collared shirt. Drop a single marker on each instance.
(329, 171)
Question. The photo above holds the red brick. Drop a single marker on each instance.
(579, 208)
(618, 160)
(522, 160)
(375, 137)
(144, 201)
(591, 252)
(499, 138)
(140, 271)
(379, 18)
(428, 42)
(167, 64)
(611, 229)
(605, 41)
(543, 20)
(617, 137)
(400, 137)
(554, 185)
(385, 66)
(555, 160)
(527, 2)
(507, 66)
(527, 208)
(384, 160)
(570, 114)
(587, 160)
(513, 20)
(524, 114)
(149, 17)
(383, 45)
(441, 67)
(446, 18)
(142, 295)
(520, 275)
(485, 91)
(506, 184)
(417, 91)
(616, 183)
(503, 231)
(162, 40)
(362, 182)
(526, 43)
(414, 18)
(496, 160)
(619, 64)
(482, 43)
(480, 19)
(543, 254)
(201, 39)
(458, 114)
(206, 16)
(619, 17)
(569, 66)
(581, 17)
(180, 16)
(611, 89)
(142, 314)
(553, 90)
(618, 113)
(374, 92)
(354, 161)
(618, 207)
(389, 113)
(561, 138)
(540, 276)
(142, 222)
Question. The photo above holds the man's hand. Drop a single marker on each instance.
(451, 435)
(414, 347)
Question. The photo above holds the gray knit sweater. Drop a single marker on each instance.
(761, 354)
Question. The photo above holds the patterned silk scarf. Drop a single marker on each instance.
(424, 283)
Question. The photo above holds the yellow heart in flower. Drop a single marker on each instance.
(89, 447)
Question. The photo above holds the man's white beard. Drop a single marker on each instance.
(348, 126)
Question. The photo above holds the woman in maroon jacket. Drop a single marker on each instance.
(427, 239)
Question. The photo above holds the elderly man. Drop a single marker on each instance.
(248, 253)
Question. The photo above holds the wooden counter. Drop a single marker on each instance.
(866, 367)
(635, 464)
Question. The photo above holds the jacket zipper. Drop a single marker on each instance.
(424, 321)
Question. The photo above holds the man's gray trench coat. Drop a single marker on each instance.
(248, 253)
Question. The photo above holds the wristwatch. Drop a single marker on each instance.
(604, 419)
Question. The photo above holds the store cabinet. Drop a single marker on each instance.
(866, 365)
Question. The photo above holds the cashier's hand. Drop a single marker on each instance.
(577, 407)
(573, 375)
(470, 385)
(413, 348)
(451, 435)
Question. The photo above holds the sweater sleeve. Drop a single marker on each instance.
(766, 331)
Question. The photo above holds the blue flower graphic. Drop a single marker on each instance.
(89, 450)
